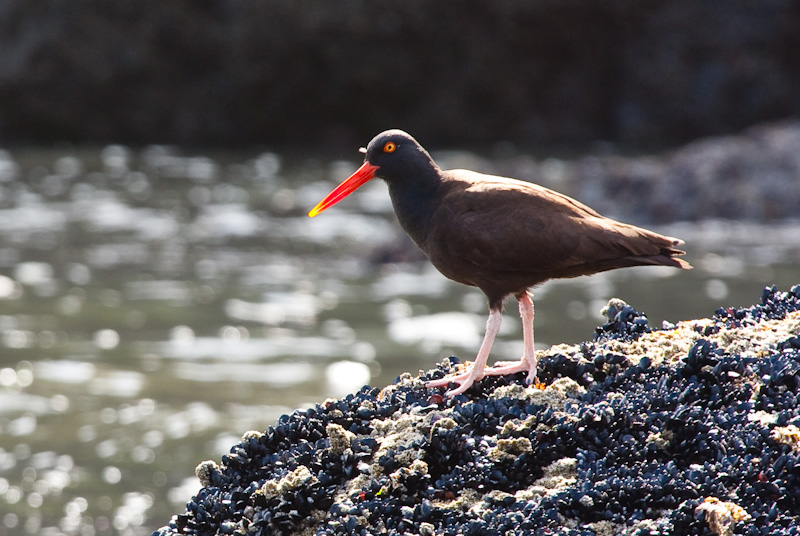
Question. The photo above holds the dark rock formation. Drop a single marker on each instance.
(687, 429)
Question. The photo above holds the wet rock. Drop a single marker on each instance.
(679, 430)
(340, 439)
(206, 471)
(721, 516)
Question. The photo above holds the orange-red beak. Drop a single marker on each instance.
(348, 186)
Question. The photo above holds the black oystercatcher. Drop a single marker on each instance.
(501, 235)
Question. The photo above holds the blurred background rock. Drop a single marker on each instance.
(645, 73)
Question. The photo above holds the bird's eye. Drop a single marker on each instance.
(389, 147)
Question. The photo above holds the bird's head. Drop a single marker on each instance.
(392, 155)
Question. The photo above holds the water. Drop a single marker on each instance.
(156, 305)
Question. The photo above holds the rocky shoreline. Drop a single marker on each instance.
(684, 429)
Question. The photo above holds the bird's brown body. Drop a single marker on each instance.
(501, 235)
(505, 236)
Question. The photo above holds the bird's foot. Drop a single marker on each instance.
(464, 381)
(470, 376)
(501, 368)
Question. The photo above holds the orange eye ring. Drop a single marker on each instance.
(389, 147)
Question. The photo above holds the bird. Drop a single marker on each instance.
(502, 235)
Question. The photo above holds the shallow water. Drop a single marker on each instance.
(156, 305)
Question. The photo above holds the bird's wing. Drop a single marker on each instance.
(502, 226)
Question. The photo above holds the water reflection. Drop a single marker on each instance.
(154, 306)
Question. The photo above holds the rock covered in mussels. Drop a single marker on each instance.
(688, 429)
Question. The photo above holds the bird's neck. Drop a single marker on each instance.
(415, 200)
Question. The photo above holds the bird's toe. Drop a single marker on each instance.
(441, 382)
(463, 380)
(460, 389)
(503, 368)
(531, 379)
(447, 380)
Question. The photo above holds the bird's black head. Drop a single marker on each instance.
(399, 157)
(395, 157)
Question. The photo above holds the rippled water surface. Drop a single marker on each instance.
(155, 305)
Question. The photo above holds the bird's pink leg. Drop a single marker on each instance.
(528, 361)
(476, 371)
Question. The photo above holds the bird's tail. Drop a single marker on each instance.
(668, 256)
